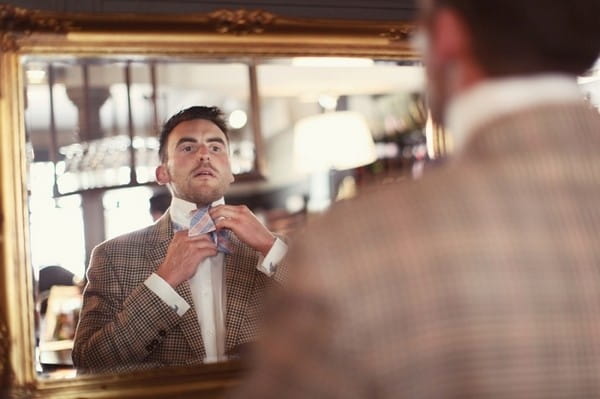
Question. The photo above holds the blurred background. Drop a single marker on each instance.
(304, 132)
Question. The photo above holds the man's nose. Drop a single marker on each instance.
(204, 153)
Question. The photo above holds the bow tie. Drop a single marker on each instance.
(202, 223)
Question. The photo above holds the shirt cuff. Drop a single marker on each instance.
(165, 292)
(268, 264)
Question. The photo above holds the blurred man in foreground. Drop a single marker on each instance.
(480, 280)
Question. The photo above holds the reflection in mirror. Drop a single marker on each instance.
(387, 95)
(92, 123)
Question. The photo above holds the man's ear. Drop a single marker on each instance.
(162, 174)
(452, 37)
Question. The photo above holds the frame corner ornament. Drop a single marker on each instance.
(399, 34)
(16, 23)
(241, 22)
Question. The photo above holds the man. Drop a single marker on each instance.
(480, 280)
(159, 203)
(189, 288)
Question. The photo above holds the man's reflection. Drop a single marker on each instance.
(188, 289)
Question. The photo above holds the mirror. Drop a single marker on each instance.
(80, 163)
(134, 78)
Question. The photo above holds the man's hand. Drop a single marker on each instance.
(245, 225)
(183, 257)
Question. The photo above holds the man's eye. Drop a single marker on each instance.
(215, 148)
(187, 148)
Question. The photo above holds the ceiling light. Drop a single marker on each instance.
(238, 119)
(36, 76)
(328, 102)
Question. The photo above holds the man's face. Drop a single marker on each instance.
(197, 167)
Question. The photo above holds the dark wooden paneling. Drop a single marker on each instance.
(329, 9)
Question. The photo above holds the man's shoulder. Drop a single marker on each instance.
(556, 127)
(138, 238)
(402, 201)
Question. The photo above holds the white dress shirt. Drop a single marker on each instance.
(208, 286)
(496, 97)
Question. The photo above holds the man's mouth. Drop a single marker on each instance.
(204, 172)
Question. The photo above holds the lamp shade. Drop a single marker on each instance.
(338, 140)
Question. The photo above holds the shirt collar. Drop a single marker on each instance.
(181, 210)
(496, 97)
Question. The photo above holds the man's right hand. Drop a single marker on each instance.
(183, 257)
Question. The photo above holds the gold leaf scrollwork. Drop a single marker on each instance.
(241, 22)
(16, 23)
(399, 34)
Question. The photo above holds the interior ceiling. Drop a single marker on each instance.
(334, 9)
(231, 81)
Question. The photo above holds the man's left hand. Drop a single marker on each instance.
(245, 225)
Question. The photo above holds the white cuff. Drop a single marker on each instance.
(268, 264)
(165, 292)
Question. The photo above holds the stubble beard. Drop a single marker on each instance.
(205, 195)
(199, 194)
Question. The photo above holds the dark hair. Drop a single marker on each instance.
(160, 202)
(531, 36)
(213, 114)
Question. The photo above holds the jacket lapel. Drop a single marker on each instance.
(157, 251)
(239, 282)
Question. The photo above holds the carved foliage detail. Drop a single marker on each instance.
(241, 22)
(16, 23)
(399, 34)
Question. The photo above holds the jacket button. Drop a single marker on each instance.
(149, 348)
(162, 333)
(154, 343)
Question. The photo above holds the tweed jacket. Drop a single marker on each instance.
(481, 280)
(124, 325)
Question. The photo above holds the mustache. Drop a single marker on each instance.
(205, 167)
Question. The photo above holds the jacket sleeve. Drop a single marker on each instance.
(280, 275)
(117, 327)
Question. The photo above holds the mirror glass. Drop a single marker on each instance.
(91, 128)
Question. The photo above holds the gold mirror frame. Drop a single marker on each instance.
(219, 33)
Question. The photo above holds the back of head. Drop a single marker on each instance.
(518, 37)
(159, 203)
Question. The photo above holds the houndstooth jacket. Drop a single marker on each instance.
(124, 325)
(482, 280)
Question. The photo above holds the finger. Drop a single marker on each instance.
(202, 244)
(217, 211)
(204, 252)
(227, 223)
(200, 237)
(181, 233)
(227, 211)
(216, 208)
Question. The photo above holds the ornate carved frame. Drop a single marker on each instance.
(222, 32)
